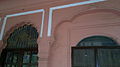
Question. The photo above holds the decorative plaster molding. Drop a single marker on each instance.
(19, 14)
(68, 23)
(65, 6)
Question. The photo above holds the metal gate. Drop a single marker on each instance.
(96, 56)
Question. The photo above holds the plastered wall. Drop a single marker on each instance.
(69, 26)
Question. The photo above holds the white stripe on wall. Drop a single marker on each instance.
(19, 14)
(65, 6)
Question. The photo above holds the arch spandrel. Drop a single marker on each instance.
(76, 21)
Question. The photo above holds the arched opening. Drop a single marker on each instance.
(21, 49)
(96, 51)
(97, 41)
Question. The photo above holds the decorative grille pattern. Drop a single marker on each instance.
(23, 37)
(97, 41)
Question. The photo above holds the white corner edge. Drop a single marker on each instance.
(42, 25)
(3, 27)
(65, 6)
(19, 14)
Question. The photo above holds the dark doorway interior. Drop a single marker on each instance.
(21, 49)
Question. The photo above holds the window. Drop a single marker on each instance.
(21, 58)
(97, 54)
(22, 48)
(97, 41)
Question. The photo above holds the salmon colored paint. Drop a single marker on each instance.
(69, 25)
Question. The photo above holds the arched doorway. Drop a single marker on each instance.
(21, 49)
(96, 51)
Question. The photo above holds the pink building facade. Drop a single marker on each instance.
(60, 26)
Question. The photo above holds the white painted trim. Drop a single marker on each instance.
(65, 6)
(19, 14)
(42, 25)
(3, 27)
(25, 13)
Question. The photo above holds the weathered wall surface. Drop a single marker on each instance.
(69, 33)
(69, 26)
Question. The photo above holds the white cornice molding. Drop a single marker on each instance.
(19, 14)
(65, 6)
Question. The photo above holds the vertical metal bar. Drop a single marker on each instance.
(96, 57)
(72, 56)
